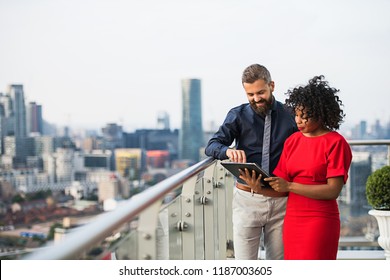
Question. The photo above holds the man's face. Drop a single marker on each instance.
(259, 95)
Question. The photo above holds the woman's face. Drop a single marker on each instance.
(306, 125)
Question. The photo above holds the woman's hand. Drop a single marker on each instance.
(278, 184)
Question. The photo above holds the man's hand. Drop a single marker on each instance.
(236, 155)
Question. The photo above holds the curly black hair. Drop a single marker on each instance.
(320, 102)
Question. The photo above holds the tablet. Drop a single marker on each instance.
(234, 168)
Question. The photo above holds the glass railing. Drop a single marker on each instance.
(359, 230)
(188, 216)
(194, 225)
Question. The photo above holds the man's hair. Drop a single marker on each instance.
(256, 72)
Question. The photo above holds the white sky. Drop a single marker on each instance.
(89, 63)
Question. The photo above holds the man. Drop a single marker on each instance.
(255, 211)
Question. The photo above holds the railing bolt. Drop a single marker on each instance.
(181, 226)
(208, 192)
(173, 214)
(188, 200)
(147, 257)
(203, 200)
(188, 214)
(208, 181)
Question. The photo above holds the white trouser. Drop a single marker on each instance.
(253, 215)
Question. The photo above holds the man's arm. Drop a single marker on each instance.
(219, 144)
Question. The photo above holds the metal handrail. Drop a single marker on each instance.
(373, 142)
(369, 142)
(81, 239)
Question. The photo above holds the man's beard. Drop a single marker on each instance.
(263, 110)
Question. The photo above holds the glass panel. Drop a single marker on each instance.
(359, 230)
(127, 247)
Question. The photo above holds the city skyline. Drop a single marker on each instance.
(92, 63)
(34, 119)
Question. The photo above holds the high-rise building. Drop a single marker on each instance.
(6, 115)
(113, 136)
(34, 119)
(163, 120)
(191, 133)
(64, 165)
(19, 110)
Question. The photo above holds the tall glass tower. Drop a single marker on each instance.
(19, 110)
(191, 133)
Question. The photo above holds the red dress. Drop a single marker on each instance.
(311, 228)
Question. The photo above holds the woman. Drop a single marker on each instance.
(313, 168)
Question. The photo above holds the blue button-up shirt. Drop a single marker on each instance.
(246, 128)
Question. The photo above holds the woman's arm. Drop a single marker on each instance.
(330, 190)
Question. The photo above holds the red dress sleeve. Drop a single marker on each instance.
(339, 159)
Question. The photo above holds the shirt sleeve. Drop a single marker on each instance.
(224, 137)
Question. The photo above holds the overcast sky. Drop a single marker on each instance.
(89, 63)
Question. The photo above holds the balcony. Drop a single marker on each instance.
(185, 217)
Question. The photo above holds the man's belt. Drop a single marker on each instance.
(245, 188)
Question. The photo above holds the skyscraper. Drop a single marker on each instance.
(14, 130)
(163, 120)
(19, 110)
(34, 119)
(191, 133)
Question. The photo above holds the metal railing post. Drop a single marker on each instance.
(187, 224)
(210, 208)
(147, 232)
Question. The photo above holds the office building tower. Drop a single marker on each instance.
(19, 110)
(64, 165)
(17, 149)
(6, 115)
(163, 120)
(34, 119)
(191, 133)
(113, 136)
(43, 145)
(6, 121)
(6, 104)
